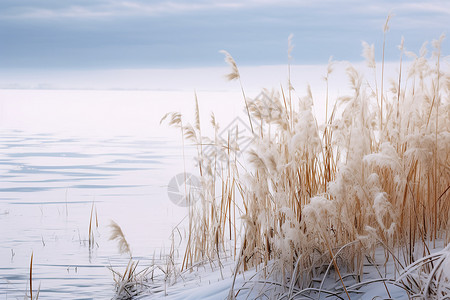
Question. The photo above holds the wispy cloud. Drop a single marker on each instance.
(13, 9)
(133, 33)
(441, 7)
(109, 8)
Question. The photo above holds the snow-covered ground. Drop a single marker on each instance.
(381, 280)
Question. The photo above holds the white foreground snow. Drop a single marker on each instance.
(380, 281)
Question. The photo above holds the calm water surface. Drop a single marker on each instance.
(48, 186)
(60, 158)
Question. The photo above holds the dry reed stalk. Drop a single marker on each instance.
(91, 229)
(385, 29)
(31, 276)
(233, 75)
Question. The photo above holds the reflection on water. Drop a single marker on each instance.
(48, 185)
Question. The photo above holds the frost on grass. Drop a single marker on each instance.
(317, 199)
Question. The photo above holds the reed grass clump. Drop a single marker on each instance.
(132, 282)
(318, 196)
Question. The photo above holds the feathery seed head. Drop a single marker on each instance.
(234, 74)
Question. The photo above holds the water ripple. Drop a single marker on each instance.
(48, 187)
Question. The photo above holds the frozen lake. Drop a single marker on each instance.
(64, 152)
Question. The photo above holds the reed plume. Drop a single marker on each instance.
(117, 234)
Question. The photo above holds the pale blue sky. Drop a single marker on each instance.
(104, 34)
